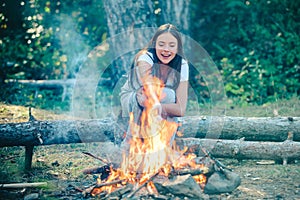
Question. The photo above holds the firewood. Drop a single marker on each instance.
(103, 170)
(119, 192)
(90, 189)
(130, 195)
(192, 172)
(110, 183)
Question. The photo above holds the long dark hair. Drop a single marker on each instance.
(175, 63)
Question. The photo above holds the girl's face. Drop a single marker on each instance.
(166, 47)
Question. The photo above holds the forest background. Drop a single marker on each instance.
(254, 44)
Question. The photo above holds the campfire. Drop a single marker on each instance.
(152, 164)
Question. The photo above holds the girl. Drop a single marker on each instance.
(163, 58)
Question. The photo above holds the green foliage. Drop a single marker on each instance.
(54, 38)
(256, 45)
(50, 42)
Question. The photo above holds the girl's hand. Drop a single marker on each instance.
(141, 97)
(164, 113)
(157, 107)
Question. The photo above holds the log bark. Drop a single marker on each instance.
(252, 128)
(128, 30)
(23, 185)
(52, 84)
(56, 132)
(176, 13)
(123, 16)
(103, 130)
(239, 149)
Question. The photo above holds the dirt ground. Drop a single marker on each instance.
(61, 167)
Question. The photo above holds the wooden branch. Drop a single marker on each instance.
(130, 195)
(98, 158)
(244, 149)
(192, 172)
(23, 185)
(119, 192)
(97, 170)
(28, 157)
(109, 183)
(91, 188)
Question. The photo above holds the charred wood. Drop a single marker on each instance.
(130, 195)
(192, 172)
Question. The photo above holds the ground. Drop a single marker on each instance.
(61, 166)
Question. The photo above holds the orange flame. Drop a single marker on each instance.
(149, 146)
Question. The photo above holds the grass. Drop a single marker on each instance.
(283, 107)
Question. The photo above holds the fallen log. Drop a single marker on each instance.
(64, 84)
(103, 130)
(251, 128)
(52, 84)
(35, 133)
(239, 149)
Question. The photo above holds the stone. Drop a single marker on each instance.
(31, 196)
(182, 186)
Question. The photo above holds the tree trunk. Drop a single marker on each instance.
(244, 149)
(102, 130)
(125, 16)
(126, 35)
(177, 13)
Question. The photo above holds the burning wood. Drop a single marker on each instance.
(148, 158)
(148, 182)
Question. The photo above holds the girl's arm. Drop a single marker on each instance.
(143, 69)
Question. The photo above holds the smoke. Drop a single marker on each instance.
(72, 43)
